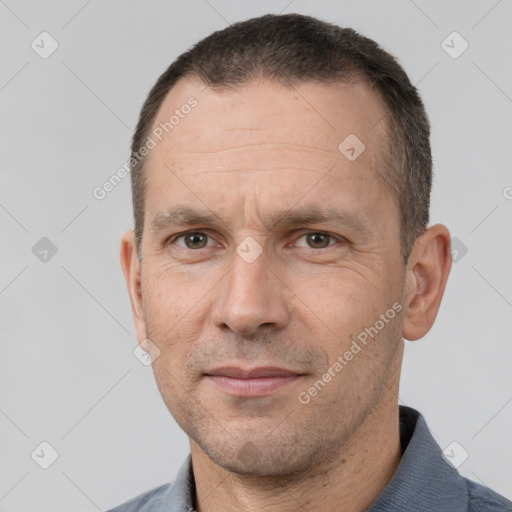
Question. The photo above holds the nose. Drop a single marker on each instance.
(252, 298)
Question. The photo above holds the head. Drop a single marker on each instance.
(281, 221)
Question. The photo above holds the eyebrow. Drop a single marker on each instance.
(309, 215)
(297, 216)
(182, 216)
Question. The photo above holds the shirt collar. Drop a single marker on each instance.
(423, 481)
(180, 496)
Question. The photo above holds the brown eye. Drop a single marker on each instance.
(318, 240)
(195, 240)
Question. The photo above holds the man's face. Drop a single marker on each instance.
(262, 280)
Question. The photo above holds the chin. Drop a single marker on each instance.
(263, 457)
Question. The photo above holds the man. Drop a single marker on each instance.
(281, 175)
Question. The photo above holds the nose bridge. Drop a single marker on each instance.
(251, 296)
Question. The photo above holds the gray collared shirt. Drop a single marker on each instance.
(423, 482)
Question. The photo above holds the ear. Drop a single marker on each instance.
(130, 264)
(427, 271)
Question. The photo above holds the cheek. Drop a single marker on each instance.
(347, 309)
(170, 292)
(341, 300)
(173, 311)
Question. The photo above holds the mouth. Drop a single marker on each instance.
(261, 381)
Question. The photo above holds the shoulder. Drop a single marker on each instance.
(178, 495)
(483, 499)
(150, 501)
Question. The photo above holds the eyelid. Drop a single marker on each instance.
(335, 238)
(182, 234)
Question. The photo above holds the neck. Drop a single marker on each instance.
(349, 481)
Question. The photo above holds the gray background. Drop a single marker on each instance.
(67, 372)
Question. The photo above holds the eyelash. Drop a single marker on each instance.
(185, 233)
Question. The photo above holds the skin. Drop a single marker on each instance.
(242, 156)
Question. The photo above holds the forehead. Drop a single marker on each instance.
(269, 142)
(311, 114)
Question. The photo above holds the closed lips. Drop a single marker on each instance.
(262, 372)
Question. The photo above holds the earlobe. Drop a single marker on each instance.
(427, 272)
(130, 265)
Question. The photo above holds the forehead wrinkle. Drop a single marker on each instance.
(196, 163)
(253, 171)
(263, 145)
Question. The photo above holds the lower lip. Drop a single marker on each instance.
(260, 386)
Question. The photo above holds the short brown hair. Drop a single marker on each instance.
(292, 49)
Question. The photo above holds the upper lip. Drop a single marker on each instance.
(262, 371)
